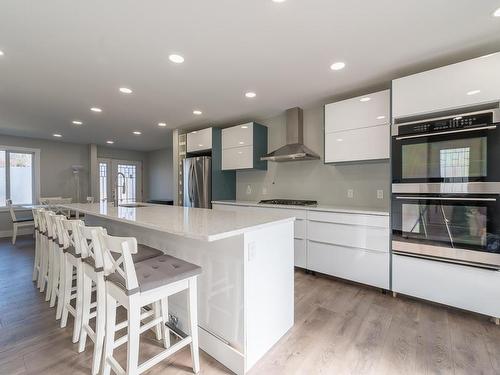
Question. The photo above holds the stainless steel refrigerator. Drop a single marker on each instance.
(197, 182)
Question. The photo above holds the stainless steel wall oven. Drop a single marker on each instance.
(446, 188)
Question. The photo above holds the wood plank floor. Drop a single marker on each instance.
(340, 328)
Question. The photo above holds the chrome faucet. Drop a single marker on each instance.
(115, 188)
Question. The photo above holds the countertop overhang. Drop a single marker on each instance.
(196, 223)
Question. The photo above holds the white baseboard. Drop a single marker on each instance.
(20, 232)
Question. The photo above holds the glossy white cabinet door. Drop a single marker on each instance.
(237, 136)
(363, 266)
(359, 144)
(468, 288)
(199, 140)
(447, 87)
(237, 158)
(354, 113)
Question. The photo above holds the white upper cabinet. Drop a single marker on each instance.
(199, 140)
(243, 145)
(467, 83)
(358, 129)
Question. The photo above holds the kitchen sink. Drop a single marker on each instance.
(132, 205)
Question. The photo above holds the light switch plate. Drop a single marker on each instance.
(380, 194)
(249, 190)
(350, 193)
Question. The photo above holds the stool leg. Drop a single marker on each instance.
(68, 283)
(78, 306)
(193, 323)
(157, 314)
(165, 331)
(100, 325)
(14, 234)
(45, 265)
(50, 271)
(37, 257)
(42, 263)
(55, 277)
(134, 324)
(62, 285)
(86, 299)
(109, 339)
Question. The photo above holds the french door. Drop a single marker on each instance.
(123, 175)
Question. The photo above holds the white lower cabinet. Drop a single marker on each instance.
(351, 246)
(360, 265)
(465, 287)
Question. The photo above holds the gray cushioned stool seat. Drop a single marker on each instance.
(145, 252)
(70, 249)
(156, 272)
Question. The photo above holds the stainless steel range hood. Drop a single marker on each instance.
(294, 148)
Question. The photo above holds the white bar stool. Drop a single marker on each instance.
(72, 260)
(36, 262)
(133, 287)
(93, 273)
(17, 222)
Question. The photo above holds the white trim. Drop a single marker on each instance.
(20, 232)
(36, 173)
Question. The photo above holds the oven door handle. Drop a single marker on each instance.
(447, 198)
(489, 127)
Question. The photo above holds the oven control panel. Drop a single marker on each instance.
(446, 124)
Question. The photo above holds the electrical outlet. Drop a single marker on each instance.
(350, 193)
(249, 190)
(380, 194)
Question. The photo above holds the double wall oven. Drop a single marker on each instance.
(446, 188)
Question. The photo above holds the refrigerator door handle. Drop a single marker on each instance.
(191, 183)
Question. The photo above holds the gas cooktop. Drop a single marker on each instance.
(290, 202)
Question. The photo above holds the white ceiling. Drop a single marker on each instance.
(62, 57)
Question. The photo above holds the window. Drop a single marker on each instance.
(17, 175)
(103, 182)
(127, 188)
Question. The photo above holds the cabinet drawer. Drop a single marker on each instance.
(237, 136)
(359, 144)
(300, 253)
(347, 218)
(359, 265)
(199, 140)
(237, 158)
(354, 114)
(468, 288)
(371, 238)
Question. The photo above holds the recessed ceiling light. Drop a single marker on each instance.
(241, 143)
(110, 142)
(57, 135)
(194, 132)
(125, 90)
(279, 1)
(77, 122)
(337, 65)
(96, 109)
(200, 145)
(380, 117)
(197, 112)
(162, 124)
(137, 132)
(365, 99)
(473, 92)
(178, 59)
(496, 13)
(1, 53)
(250, 94)
(244, 126)
(339, 139)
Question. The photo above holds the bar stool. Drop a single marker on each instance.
(52, 267)
(147, 282)
(93, 273)
(72, 261)
(17, 222)
(36, 262)
(43, 278)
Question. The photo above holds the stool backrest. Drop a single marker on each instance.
(71, 234)
(118, 258)
(90, 244)
(35, 217)
(41, 220)
(49, 223)
(59, 229)
(8, 202)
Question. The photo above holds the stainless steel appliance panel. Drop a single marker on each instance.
(197, 182)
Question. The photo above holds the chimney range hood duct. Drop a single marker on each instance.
(294, 148)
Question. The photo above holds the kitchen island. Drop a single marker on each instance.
(246, 289)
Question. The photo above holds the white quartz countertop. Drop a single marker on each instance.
(328, 208)
(197, 223)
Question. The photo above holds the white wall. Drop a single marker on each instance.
(313, 179)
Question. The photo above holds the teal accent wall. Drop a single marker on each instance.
(223, 182)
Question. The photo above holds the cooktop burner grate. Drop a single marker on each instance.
(290, 202)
